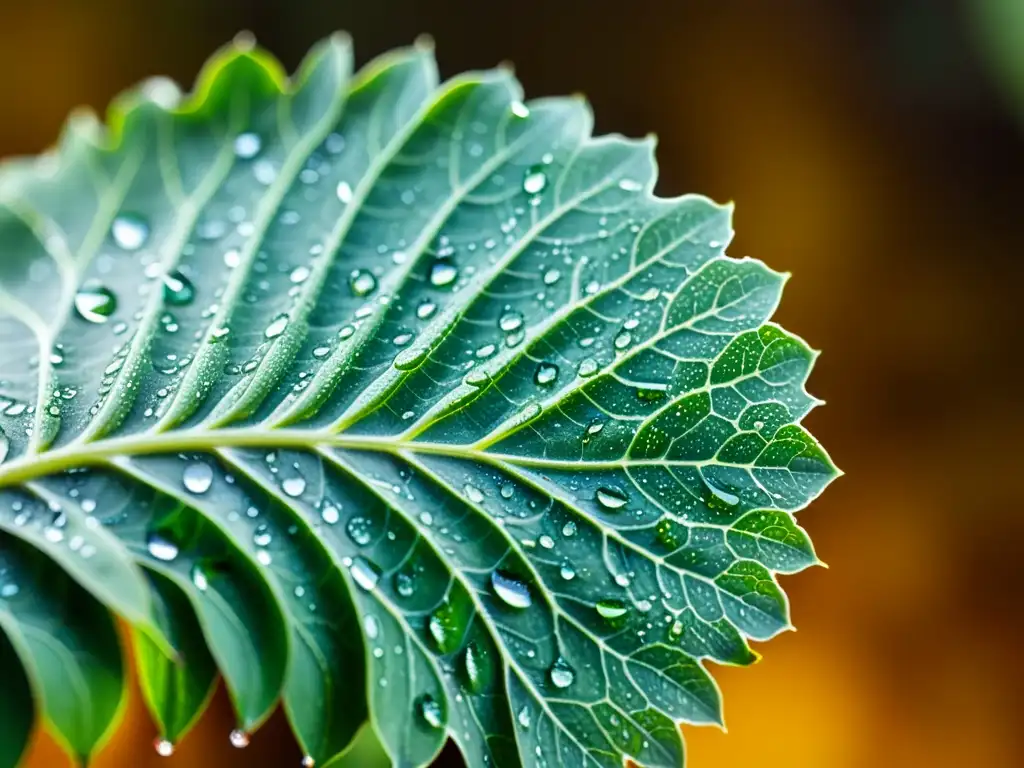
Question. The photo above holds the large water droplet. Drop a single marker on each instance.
(611, 609)
(247, 145)
(722, 495)
(535, 180)
(359, 530)
(95, 302)
(546, 374)
(293, 486)
(430, 711)
(365, 573)
(510, 321)
(587, 368)
(178, 289)
(239, 739)
(197, 477)
(474, 666)
(512, 590)
(161, 548)
(362, 282)
(277, 326)
(611, 498)
(443, 273)
(330, 514)
(129, 231)
(561, 674)
(425, 309)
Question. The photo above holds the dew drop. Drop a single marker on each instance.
(611, 498)
(362, 282)
(95, 303)
(473, 666)
(294, 486)
(623, 339)
(239, 739)
(197, 477)
(161, 548)
(535, 180)
(178, 289)
(358, 530)
(365, 573)
(308, 761)
(163, 747)
(199, 578)
(511, 589)
(345, 192)
(330, 514)
(561, 674)
(425, 309)
(524, 717)
(299, 274)
(510, 321)
(552, 276)
(443, 273)
(588, 367)
(247, 145)
(611, 609)
(520, 110)
(277, 326)
(630, 185)
(129, 231)
(546, 374)
(567, 572)
(727, 498)
(473, 493)
(430, 711)
(507, 490)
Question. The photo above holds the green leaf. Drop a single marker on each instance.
(397, 402)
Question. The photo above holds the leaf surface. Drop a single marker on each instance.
(395, 400)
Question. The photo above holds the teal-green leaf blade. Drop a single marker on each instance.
(413, 401)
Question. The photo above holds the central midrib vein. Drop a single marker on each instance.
(101, 452)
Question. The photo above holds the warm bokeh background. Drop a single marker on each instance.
(873, 150)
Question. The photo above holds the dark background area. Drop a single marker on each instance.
(873, 150)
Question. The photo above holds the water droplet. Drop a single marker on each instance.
(199, 578)
(510, 321)
(473, 493)
(561, 674)
(178, 289)
(247, 145)
(299, 274)
(524, 717)
(365, 573)
(430, 711)
(623, 339)
(511, 589)
(161, 548)
(443, 273)
(277, 326)
(630, 185)
(330, 514)
(567, 572)
(474, 662)
(319, 353)
(95, 303)
(551, 276)
(358, 530)
(727, 498)
(611, 609)
(239, 739)
(535, 180)
(371, 627)
(520, 110)
(362, 282)
(345, 192)
(425, 309)
(294, 486)
(129, 231)
(9, 590)
(507, 490)
(163, 747)
(611, 498)
(546, 374)
(308, 762)
(588, 368)
(197, 477)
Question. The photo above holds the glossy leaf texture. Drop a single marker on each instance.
(391, 400)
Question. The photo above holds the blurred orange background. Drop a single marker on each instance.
(870, 151)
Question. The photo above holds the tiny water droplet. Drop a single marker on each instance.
(362, 282)
(299, 274)
(623, 339)
(520, 110)
(552, 276)
(425, 309)
(546, 374)
(630, 185)
(510, 321)
(199, 578)
(611, 609)
(507, 490)
(129, 231)
(330, 514)
(511, 589)
(587, 368)
(197, 477)
(567, 572)
(561, 674)
(345, 192)
(163, 747)
(473, 493)
(95, 303)
(611, 498)
(524, 717)
(308, 762)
